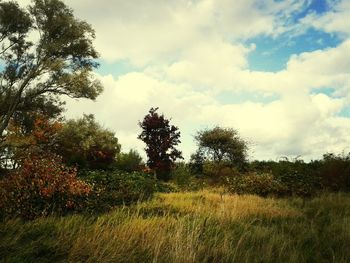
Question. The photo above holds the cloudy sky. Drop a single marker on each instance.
(277, 71)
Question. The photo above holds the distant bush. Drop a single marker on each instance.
(184, 180)
(166, 187)
(129, 162)
(116, 187)
(258, 184)
(42, 186)
(335, 172)
(181, 174)
(299, 178)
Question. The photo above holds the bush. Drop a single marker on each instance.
(166, 187)
(258, 184)
(116, 188)
(299, 178)
(218, 173)
(42, 186)
(335, 172)
(129, 162)
(181, 174)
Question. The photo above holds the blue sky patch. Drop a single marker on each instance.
(272, 54)
(325, 90)
(117, 68)
(229, 97)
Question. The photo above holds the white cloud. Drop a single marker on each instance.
(153, 31)
(334, 21)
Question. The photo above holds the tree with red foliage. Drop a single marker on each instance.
(161, 139)
(39, 139)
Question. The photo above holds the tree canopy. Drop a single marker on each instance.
(85, 143)
(222, 145)
(45, 51)
(160, 138)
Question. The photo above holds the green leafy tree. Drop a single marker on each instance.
(45, 51)
(222, 146)
(160, 138)
(85, 143)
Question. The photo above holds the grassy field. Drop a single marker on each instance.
(204, 226)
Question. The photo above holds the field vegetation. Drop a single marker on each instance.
(202, 226)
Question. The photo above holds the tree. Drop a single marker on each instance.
(85, 143)
(222, 146)
(160, 138)
(44, 52)
(41, 139)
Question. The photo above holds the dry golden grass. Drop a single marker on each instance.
(204, 226)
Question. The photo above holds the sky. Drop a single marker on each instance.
(277, 71)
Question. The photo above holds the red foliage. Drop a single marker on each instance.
(161, 139)
(42, 138)
(43, 185)
(44, 130)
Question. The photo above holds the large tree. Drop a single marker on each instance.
(45, 51)
(223, 146)
(160, 138)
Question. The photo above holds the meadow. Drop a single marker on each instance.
(201, 226)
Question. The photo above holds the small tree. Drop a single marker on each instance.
(222, 146)
(160, 138)
(40, 138)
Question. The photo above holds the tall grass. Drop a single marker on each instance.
(204, 226)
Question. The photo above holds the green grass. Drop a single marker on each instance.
(204, 226)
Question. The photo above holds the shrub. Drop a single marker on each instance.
(181, 174)
(299, 178)
(335, 172)
(217, 173)
(42, 186)
(116, 188)
(166, 187)
(259, 184)
(129, 162)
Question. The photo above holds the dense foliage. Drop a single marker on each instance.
(160, 138)
(114, 188)
(40, 139)
(45, 51)
(256, 184)
(221, 146)
(42, 186)
(130, 161)
(294, 178)
(83, 142)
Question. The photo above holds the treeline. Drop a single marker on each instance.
(282, 178)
